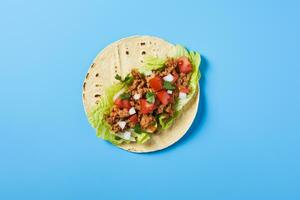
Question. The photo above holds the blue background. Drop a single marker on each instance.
(243, 145)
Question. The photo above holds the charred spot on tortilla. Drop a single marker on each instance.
(115, 118)
(116, 69)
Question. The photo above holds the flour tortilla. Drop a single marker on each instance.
(119, 58)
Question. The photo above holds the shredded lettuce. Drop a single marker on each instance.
(96, 116)
(142, 137)
(105, 133)
(165, 122)
(151, 63)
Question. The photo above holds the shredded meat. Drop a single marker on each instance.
(136, 74)
(123, 113)
(160, 109)
(152, 128)
(170, 67)
(148, 123)
(116, 128)
(113, 117)
(139, 83)
(146, 120)
(169, 109)
(130, 124)
(183, 79)
(140, 86)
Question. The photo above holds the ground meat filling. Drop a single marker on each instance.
(147, 121)
(133, 114)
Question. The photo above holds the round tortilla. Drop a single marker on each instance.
(119, 58)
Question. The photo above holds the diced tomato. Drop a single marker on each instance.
(118, 102)
(157, 102)
(134, 118)
(175, 75)
(126, 104)
(171, 99)
(156, 83)
(163, 97)
(146, 107)
(184, 89)
(184, 64)
(122, 103)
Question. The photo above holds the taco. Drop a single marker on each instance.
(141, 93)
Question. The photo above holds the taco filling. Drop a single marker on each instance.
(148, 99)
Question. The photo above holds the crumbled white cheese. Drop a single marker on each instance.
(169, 78)
(131, 111)
(122, 124)
(136, 96)
(169, 91)
(127, 135)
(182, 95)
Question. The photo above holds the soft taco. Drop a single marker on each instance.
(141, 93)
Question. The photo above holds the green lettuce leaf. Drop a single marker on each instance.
(96, 116)
(151, 63)
(142, 137)
(166, 123)
(105, 133)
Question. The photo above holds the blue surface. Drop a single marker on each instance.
(244, 144)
